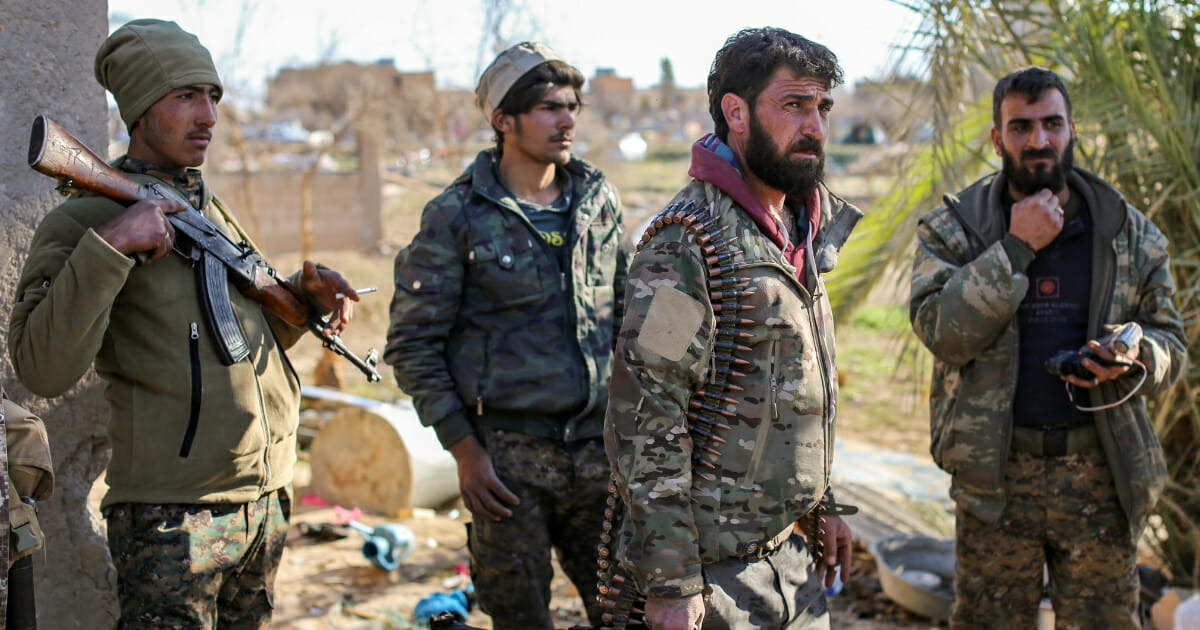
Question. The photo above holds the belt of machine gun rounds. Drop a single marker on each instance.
(624, 606)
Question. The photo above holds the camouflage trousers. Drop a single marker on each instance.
(1063, 513)
(778, 592)
(183, 566)
(562, 487)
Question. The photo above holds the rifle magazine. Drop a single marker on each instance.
(213, 278)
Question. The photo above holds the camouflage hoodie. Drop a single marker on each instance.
(485, 328)
(963, 306)
(721, 416)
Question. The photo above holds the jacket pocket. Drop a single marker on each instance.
(603, 240)
(943, 402)
(414, 278)
(194, 373)
(508, 272)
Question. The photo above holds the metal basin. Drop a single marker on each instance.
(917, 572)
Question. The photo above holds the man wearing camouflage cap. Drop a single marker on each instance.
(1051, 466)
(202, 447)
(724, 397)
(506, 305)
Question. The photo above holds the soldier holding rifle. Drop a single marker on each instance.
(202, 443)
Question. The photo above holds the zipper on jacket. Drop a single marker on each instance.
(194, 407)
(266, 426)
(481, 385)
(823, 352)
(770, 416)
(562, 280)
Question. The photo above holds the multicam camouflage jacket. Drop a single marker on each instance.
(486, 329)
(963, 306)
(721, 415)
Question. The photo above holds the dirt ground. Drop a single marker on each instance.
(329, 584)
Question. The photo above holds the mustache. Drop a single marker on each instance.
(206, 134)
(809, 145)
(562, 136)
(1033, 154)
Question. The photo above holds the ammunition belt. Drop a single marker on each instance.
(624, 605)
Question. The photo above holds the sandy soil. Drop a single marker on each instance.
(329, 584)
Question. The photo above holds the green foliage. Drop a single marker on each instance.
(1133, 69)
(882, 317)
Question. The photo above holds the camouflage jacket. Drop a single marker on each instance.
(485, 328)
(184, 427)
(963, 306)
(721, 416)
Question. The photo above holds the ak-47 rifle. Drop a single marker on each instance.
(220, 261)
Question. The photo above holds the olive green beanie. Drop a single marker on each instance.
(145, 59)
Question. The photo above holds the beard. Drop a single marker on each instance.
(794, 177)
(1029, 181)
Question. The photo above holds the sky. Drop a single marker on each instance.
(629, 36)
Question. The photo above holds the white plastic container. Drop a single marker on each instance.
(1187, 614)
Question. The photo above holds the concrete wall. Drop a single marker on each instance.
(46, 53)
(346, 209)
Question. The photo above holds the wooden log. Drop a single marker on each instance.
(377, 456)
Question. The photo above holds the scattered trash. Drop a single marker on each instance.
(345, 516)
(323, 532)
(447, 621)
(385, 545)
(312, 499)
(458, 603)
(917, 572)
(460, 579)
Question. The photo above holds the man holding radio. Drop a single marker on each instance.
(1046, 300)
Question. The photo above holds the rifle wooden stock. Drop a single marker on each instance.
(55, 152)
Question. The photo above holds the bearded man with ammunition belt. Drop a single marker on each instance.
(721, 415)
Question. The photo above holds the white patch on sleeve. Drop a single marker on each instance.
(671, 323)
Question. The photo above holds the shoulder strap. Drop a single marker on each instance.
(227, 215)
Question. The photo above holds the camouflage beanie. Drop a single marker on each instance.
(144, 59)
(509, 66)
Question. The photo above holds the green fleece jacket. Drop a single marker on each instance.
(963, 307)
(79, 300)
